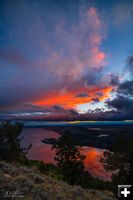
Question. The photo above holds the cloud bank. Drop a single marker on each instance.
(52, 61)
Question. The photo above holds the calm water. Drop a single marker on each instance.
(88, 123)
(42, 151)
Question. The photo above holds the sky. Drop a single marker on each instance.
(66, 59)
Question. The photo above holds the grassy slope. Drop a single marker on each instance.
(36, 186)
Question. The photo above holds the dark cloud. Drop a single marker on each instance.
(40, 113)
(57, 108)
(114, 79)
(95, 100)
(130, 64)
(126, 88)
(122, 104)
(82, 95)
(13, 56)
(100, 94)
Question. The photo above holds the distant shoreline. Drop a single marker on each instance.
(92, 136)
(77, 123)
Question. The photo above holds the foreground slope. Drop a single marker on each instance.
(36, 186)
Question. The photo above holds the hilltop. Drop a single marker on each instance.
(34, 185)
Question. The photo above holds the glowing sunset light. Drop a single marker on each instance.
(70, 99)
(93, 165)
(69, 55)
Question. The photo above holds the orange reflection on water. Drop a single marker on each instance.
(93, 164)
(42, 151)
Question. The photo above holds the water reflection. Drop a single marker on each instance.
(92, 163)
(39, 150)
(42, 151)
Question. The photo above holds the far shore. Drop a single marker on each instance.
(92, 136)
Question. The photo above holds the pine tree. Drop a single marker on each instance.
(10, 142)
(120, 161)
(70, 159)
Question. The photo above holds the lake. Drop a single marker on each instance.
(42, 151)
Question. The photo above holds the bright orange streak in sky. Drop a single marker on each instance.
(69, 99)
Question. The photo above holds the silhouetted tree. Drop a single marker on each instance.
(70, 159)
(120, 161)
(10, 142)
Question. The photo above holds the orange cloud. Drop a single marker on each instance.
(70, 100)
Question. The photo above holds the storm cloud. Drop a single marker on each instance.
(123, 103)
(53, 60)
